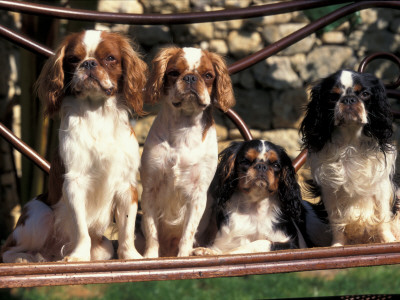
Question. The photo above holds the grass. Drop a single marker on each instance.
(370, 280)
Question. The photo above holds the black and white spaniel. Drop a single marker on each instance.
(256, 201)
(347, 131)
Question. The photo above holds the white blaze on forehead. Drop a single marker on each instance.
(192, 56)
(261, 156)
(91, 39)
(346, 79)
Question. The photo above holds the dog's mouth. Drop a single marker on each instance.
(256, 184)
(350, 114)
(88, 83)
(190, 96)
(348, 117)
(107, 90)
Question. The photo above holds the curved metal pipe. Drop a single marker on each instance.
(162, 19)
(24, 149)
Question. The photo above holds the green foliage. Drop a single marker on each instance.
(371, 280)
(317, 13)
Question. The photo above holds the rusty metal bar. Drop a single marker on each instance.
(24, 42)
(195, 272)
(162, 19)
(300, 160)
(202, 261)
(240, 124)
(24, 148)
(381, 55)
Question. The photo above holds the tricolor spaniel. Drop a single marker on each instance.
(92, 82)
(347, 131)
(180, 153)
(257, 204)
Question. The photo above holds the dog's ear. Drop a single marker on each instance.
(155, 84)
(134, 76)
(289, 190)
(225, 180)
(223, 95)
(225, 183)
(316, 126)
(49, 86)
(379, 114)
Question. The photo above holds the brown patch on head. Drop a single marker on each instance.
(134, 194)
(177, 66)
(272, 175)
(337, 90)
(252, 154)
(207, 72)
(357, 87)
(271, 156)
(156, 83)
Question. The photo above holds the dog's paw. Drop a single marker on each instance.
(73, 258)
(131, 254)
(151, 253)
(201, 251)
(21, 260)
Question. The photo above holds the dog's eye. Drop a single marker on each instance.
(110, 58)
(245, 162)
(208, 76)
(73, 59)
(334, 97)
(173, 73)
(365, 95)
(276, 166)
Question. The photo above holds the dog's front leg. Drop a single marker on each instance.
(338, 236)
(125, 216)
(75, 196)
(194, 213)
(149, 224)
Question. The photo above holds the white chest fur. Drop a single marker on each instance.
(249, 222)
(99, 151)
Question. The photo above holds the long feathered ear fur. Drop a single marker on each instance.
(289, 190)
(50, 84)
(134, 76)
(316, 127)
(155, 84)
(380, 115)
(224, 182)
(223, 95)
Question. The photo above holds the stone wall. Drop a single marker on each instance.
(270, 95)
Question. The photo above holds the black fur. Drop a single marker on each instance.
(226, 181)
(318, 124)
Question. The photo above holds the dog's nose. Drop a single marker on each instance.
(190, 78)
(349, 100)
(90, 64)
(261, 167)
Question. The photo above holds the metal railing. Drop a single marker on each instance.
(58, 273)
